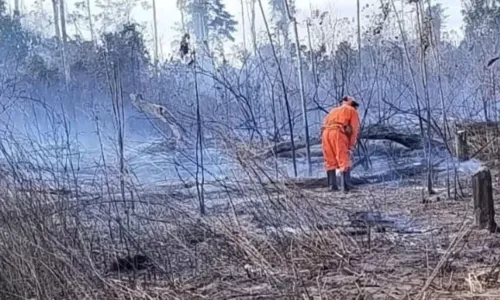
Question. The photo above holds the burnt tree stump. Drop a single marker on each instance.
(461, 145)
(482, 192)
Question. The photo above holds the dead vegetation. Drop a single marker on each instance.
(481, 139)
(382, 242)
(260, 238)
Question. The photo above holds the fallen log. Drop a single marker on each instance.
(410, 141)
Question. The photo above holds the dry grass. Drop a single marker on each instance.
(255, 242)
(293, 244)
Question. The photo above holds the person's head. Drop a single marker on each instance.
(350, 101)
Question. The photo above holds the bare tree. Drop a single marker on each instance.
(17, 9)
(424, 46)
(243, 25)
(358, 18)
(282, 81)
(55, 8)
(61, 35)
(155, 26)
(181, 5)
(64, 43)
(253, 32)
(293, 20)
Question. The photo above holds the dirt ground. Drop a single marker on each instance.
(384, 241)
(379, 242)
(442, 256)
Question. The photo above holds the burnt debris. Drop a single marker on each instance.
(131, 263)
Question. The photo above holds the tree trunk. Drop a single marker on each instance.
(423, 67)
(282, 82)
(181, 5)
(301, 83)
(62, 11)
(252, 25)
(155, 26)
(313, 67)
(408, 61)
(243, 25)
(435, 46)
(484, 209)
(55, 8)
(358, 15)
(91, 24)
(17, 9)
(200, 165)
(461, 145)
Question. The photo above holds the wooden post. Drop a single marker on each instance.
(482, 192)
(461, 145)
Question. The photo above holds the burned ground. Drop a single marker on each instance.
(383, 241)
(259, 239)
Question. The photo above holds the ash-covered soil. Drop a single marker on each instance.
(262, 236)
(379, 242)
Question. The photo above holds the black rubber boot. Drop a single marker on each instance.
(349, 181)
(332, 180)
(344, 181)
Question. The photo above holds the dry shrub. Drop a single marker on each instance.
(63, 240)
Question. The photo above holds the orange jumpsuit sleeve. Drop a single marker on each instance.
(354, 122)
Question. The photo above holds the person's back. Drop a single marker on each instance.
(340, 116)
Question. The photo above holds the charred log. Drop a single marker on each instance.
(410, 141)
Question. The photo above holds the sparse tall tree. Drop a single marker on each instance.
(91, 23)
(303, 99)
(61, 35)
(155, 26)
(425, 38)
(64, 42)
(182, 7)
(17, 8)
(55, 8)
(280, 9)
(253, 33)
(83, 14)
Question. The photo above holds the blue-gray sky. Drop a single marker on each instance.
(168, 15)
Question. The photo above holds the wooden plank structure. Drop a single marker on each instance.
(479, 140)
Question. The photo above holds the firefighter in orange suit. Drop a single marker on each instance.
(339, 135)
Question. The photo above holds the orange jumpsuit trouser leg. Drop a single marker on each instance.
(342, 152)
(328, 146)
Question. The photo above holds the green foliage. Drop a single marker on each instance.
(482, 18)
(126, 44)
(126, 51)
(216, 20)
(222, 23)
(14, 40)
(40, 71)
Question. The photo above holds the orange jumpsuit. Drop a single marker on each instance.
(335, 141)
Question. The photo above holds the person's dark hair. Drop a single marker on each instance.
(354, 103)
